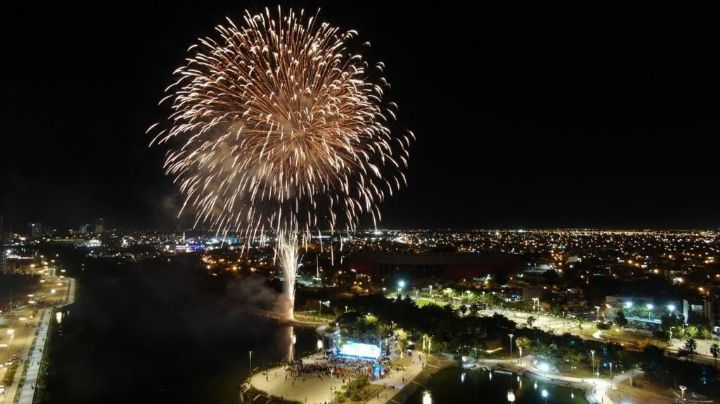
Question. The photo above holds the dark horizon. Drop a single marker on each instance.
(522, 121)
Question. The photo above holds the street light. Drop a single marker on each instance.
(592, 353)
(597, 313)
(650, 306)
(682, 392)
(332, 389)
(401, 285)
(250, 354)
(511, 396)
(671, 308)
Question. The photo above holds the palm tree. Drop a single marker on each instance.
(690, 347)
(715, 351)
(463, 309)
(620, 319)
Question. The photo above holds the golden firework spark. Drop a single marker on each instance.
(277, 125)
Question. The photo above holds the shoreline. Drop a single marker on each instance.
(401, 391)
(31, 374)
(595, 390)
(420, 380)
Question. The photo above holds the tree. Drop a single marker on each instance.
(523, 343)
(463, 309)
(620, 319)
(690, 347)
(474, 308)
(669, 321)
(705, 333)
(691, 331)
(715, 351)
(677, 332)
(530, 320)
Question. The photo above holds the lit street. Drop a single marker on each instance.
(22, 327)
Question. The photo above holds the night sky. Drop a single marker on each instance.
(567, 118)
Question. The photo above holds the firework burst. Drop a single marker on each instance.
(278, 126)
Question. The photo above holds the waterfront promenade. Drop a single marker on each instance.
(312, 389)
(31, 374)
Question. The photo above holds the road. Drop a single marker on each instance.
(22, 326)
(702, 354)
(588, 330)
(542, 321)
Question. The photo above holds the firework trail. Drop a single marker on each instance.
(277, 126)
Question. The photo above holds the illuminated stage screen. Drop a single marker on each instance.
(358, 350)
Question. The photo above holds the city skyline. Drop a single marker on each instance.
(314, 201)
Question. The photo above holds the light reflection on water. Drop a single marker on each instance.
(426, 398)
(460, 386)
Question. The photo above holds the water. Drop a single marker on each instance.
(474, 386)
(154, 333)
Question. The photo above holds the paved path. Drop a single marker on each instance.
(396, 381)
(597, 388)
(28, 389)
(35, 357)
(70, 298)
(314, 390)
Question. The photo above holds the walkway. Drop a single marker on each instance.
(314, 390)
(597, 388)
(35, 358)
(70, 298)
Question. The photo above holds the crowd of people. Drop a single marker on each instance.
(337, 366)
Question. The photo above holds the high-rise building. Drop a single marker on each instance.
(99, 225)
(84, 229)
(35, 229)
